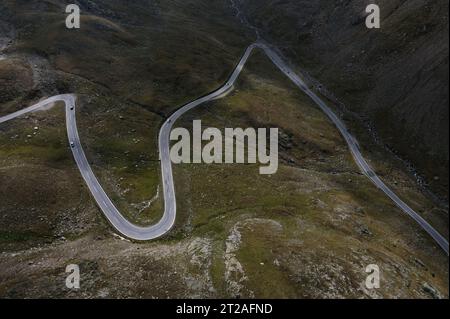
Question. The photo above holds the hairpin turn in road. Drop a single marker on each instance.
(129, 230)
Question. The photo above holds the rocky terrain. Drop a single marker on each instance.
(308, 231)
(394, 78)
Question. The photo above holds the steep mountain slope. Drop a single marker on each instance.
(130, 64)
(307, 231)
(395, 77)
(147, 52)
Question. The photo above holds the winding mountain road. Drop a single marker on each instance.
(129, 230)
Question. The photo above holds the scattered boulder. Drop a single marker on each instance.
(430, 290)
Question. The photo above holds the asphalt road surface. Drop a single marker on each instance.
(354, 149)
(129, 230)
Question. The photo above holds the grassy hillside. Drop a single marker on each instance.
(131, 65)
(307, 231)
(154, 53)
(395, 77)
